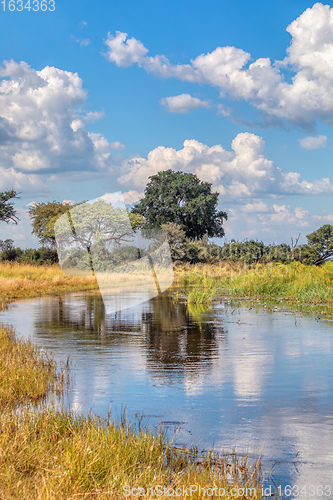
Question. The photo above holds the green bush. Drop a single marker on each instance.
(43, 255)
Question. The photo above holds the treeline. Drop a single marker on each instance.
(250, 251)
(179, 203)
(318, 249)
(186, 250)
(10, 253)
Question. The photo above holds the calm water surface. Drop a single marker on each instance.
(234, 376)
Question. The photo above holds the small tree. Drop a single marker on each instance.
(95, 228)
(320, 244)
(43, 217)
(7, 211)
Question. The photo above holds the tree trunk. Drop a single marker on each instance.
(91, 261)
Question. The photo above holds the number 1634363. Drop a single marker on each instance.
(28, 5)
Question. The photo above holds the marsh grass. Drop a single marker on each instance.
(292, 282)
(25, 375)
(25, 280)
(61, 455)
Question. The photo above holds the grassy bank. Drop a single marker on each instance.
(25, 375)
(25, 280)
(292, 282)
(46, 454)
(60, 456)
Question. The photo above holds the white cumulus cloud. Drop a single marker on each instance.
(242, 172)
(313, 142)
(123, 51)
(183, 103)
(117, 145)
(270, 222)
(305, 99)
(42, 127)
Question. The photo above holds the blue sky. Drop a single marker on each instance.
(97, 96)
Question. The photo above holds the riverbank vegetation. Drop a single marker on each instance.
(28, 280)
(294, 282)
(61, 455)
(25, 375)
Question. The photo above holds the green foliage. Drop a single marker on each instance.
(244, 251)
(249, 251)
(40, 256)
(293, 281)
(10, 253)
(186, 250)
(320, 245)
(93, 232)
(137, 221)
(181, 198)
(7, 211)
(177, 241)
(253, 251)
(281, 253)
(43, 217)
(103, 258)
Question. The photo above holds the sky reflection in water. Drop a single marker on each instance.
(230, 376)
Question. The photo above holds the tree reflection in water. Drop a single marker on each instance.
(174, 337)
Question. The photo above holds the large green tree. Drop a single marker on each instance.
(183, 199)
(7, 210)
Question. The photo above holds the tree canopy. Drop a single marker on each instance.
(183, 199)
(320, 244)
(99, 228)
(43, 217)
(97, 222)
(7, 211)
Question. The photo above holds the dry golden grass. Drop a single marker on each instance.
(25, 375)
(25, 280)
(58, 456)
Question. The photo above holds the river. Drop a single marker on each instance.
(239, 375)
